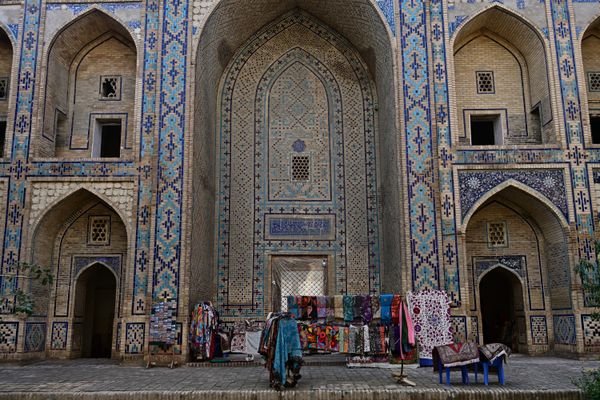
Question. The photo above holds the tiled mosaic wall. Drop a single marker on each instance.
(442, 183)
(320, 110)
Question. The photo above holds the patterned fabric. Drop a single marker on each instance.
(367, 310)
(490, 352)
(396, 304)
(292, 306)
(338, 306)
(348, 308)
(375, 307)
(430, 312)
(321, 306)
(386, 308)
(322, 337)
(333, 338)
(455, 355)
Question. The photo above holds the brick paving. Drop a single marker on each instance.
(540, 377)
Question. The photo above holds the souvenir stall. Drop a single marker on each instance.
(356, 325)
(205, 341)
(163, 331)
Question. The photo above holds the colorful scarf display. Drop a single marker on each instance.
(385, 302)
(280, 344)
(430, 312)
(203, 331)
(361, 325)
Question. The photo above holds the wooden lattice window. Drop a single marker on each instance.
(485, 82)
(99, 230)
(497, 234)
(3, 88)
(110, 87)
(594, 81)
(301, 168)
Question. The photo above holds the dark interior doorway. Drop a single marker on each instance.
(501, 298)
(96, 293)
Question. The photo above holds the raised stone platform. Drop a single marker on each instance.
(527, 378)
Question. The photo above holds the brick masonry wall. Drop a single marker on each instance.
(591, 62)
(510, 88)
(182, 118)
(522, 240)
(6, 58)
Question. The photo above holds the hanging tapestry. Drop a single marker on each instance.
(430, 311)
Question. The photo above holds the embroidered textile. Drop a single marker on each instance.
(490, 352)
(455, 355)
(430, 312)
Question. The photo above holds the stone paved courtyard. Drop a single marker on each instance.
(527, 377)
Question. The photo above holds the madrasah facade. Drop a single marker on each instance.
(232, 150)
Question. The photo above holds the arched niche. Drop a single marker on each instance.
(76, 232)
(369, 51)
(522, 233)
(590, 48)
(89, 92)
(6, 67)
(502, 84)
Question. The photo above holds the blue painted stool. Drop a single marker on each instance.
(498, 364)
(463, 370)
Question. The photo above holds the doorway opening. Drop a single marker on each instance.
(95, 301)
(501, 296)
(297, 276)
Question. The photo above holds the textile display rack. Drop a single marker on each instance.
(357, 325)
(163, 332)
(204, 326)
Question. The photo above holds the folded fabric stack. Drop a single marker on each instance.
(280, 344)
(203, 331)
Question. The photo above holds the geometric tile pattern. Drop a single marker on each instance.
(35, 336)
(387, 8)
(449, 249)
(591, 330)
(564, 329)
(143, 253)
(459, 328)
(59, 335)
(333, 122)
(134, 338)
(118, 338)
(423, 235)
(20, 145)
(564, 37)
(8, 337)
(171, 142)
(474, 334)
(539, 330)
(549, 182)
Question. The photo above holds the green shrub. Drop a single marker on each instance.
(589, 383)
